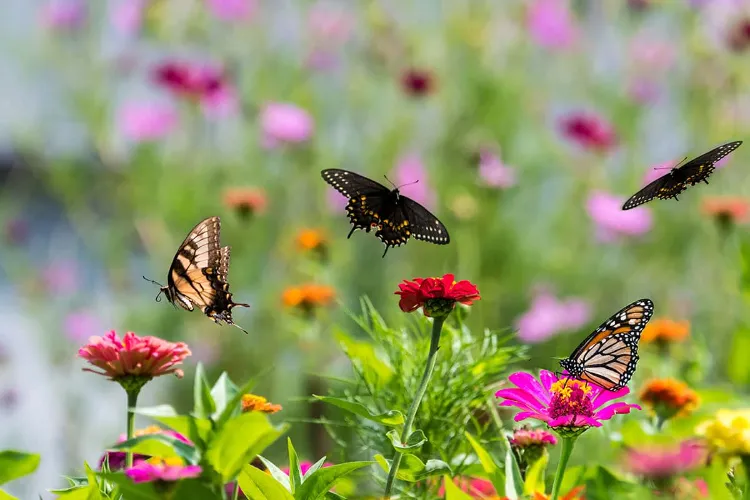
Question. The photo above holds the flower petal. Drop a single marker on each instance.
(548, 378)
(620, 407)
(604, 396)
(530, 414)
(521, 396)
(527, 382)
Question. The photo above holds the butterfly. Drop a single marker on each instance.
(676, 181)
(198, 274)
(394, 217)
(608, 356)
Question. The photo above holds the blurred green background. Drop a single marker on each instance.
(527, 124)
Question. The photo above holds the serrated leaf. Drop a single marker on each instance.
(453, 492)
(318, 484)
(390, 418)
(415, 441)
(15, 464)
(412, 469)
(257, 485)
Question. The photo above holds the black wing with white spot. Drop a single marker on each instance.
(609, 355)
(352, 185)
(424, 225)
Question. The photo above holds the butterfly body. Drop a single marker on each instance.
(677, 179)
(609, 355)
(393, 217)
(198, 274)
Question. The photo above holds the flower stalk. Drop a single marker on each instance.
(132, 400)
(565, 452)
(437, 327)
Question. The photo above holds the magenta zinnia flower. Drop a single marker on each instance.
(163, 470)
(284, 123)
(666, 462)
(564, 402)
(525, 437)
(612, 221)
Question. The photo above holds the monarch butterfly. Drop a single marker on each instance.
(198, 274)
(676, 181)
(394, 217)
(608, 356)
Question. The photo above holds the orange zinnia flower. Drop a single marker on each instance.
(246, 201)
(727, 209)
(665, 331)
(311, 240)
(668, 397)
(308, 296)
(251, 402)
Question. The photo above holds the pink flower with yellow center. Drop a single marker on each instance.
(162, 470)
(562, 403)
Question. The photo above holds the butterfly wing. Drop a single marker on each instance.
(424, 225)
(700, 168)
(609, 355)
(663, 188)
(367, 198)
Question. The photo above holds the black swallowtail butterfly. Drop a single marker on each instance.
(608, 356)
(676, 181)
(395, 218)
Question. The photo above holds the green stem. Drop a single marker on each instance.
(132, 400)
(236, 493)
(746, 489)
(567, 449)
(437, 327)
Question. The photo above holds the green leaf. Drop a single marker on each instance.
(131, 490)
(319, 483)
(80, 493)
(222, 393)
(160, 445)
(239, 441)
(15, 464)
(535, 476)
(317, 465)
(415, 441)
(717, 480)
(453, 492)
(513, 479)
(412, 469)
(738, 370)
(203, 403)
(494, 474)
(295, 473)
(390, 418)
(6, 496)
(233, 406)
(167, 415)
(376, 372)
(277, 473)
(257, 485)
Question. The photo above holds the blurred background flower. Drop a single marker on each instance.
(548, 317)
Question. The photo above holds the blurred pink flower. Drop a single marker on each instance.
(146, 121)
(167, 470)
(651, 55)
(588, 130)
(336, 201)
(60, 278)
(233, 10)
(549, 316)
(408, 169)
(80, 325)
(551, 24)
(494, 172)
(127, 16)
(63, 15)
(116, 459)
(643, 90)
(220, 103)
(526, 437)
(285, 123)
(611, 221)
(330, 24)
(666, 462)
(304, 466)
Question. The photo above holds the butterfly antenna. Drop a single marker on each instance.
(392, 184)
(161, 288)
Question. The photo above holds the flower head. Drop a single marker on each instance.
(728, 433)
(232, 10)
(309, 296)
(162, 470)
(127, 16)
(80, 325)
(563, 404)
(589, 131)
(668, 398)
(493, 172)
(738, 37)
(133, 360)
(247, 201)
(146, 121)
(417, 82)
(116, 459)
(525, 437)
(613, 222)
(312, 240)
(437, 296)
(63, 15)
(187, 79)
(549, 316)
(666, 462)
(251, 402)
(284, 123)
(664, 331)
(551, 24)
(727, 210)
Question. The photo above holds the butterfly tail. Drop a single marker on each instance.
(351, 232)
(238, 326)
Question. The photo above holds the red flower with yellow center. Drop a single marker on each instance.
(437, 296)
(251, 402)
(668, 397)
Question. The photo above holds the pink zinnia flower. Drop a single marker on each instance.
(564, 402)
(549, 316)
(190, 80)
(589, 131)
(666, 462)
(526, 437)
(285, 123)
(133, 356)
(164, 470)
(611, 221)
(60, 278)
(304, 466)
(494, 172)
(551, 24)
(233, 10)
(409, 169)
(146, 121)
(63, 15)
(116, 459)
(80, 325)
(330, 25)
(127, 16)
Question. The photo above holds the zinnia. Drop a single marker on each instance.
(666, 462)
(251, 402)
(728, 433)
(162, 470)
(669, 397)
(437, 296)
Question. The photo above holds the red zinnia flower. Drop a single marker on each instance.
(188, 80)
(438, 296)
(589, 131)
(417, 82)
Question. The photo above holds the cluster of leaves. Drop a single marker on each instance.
(387, 370)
